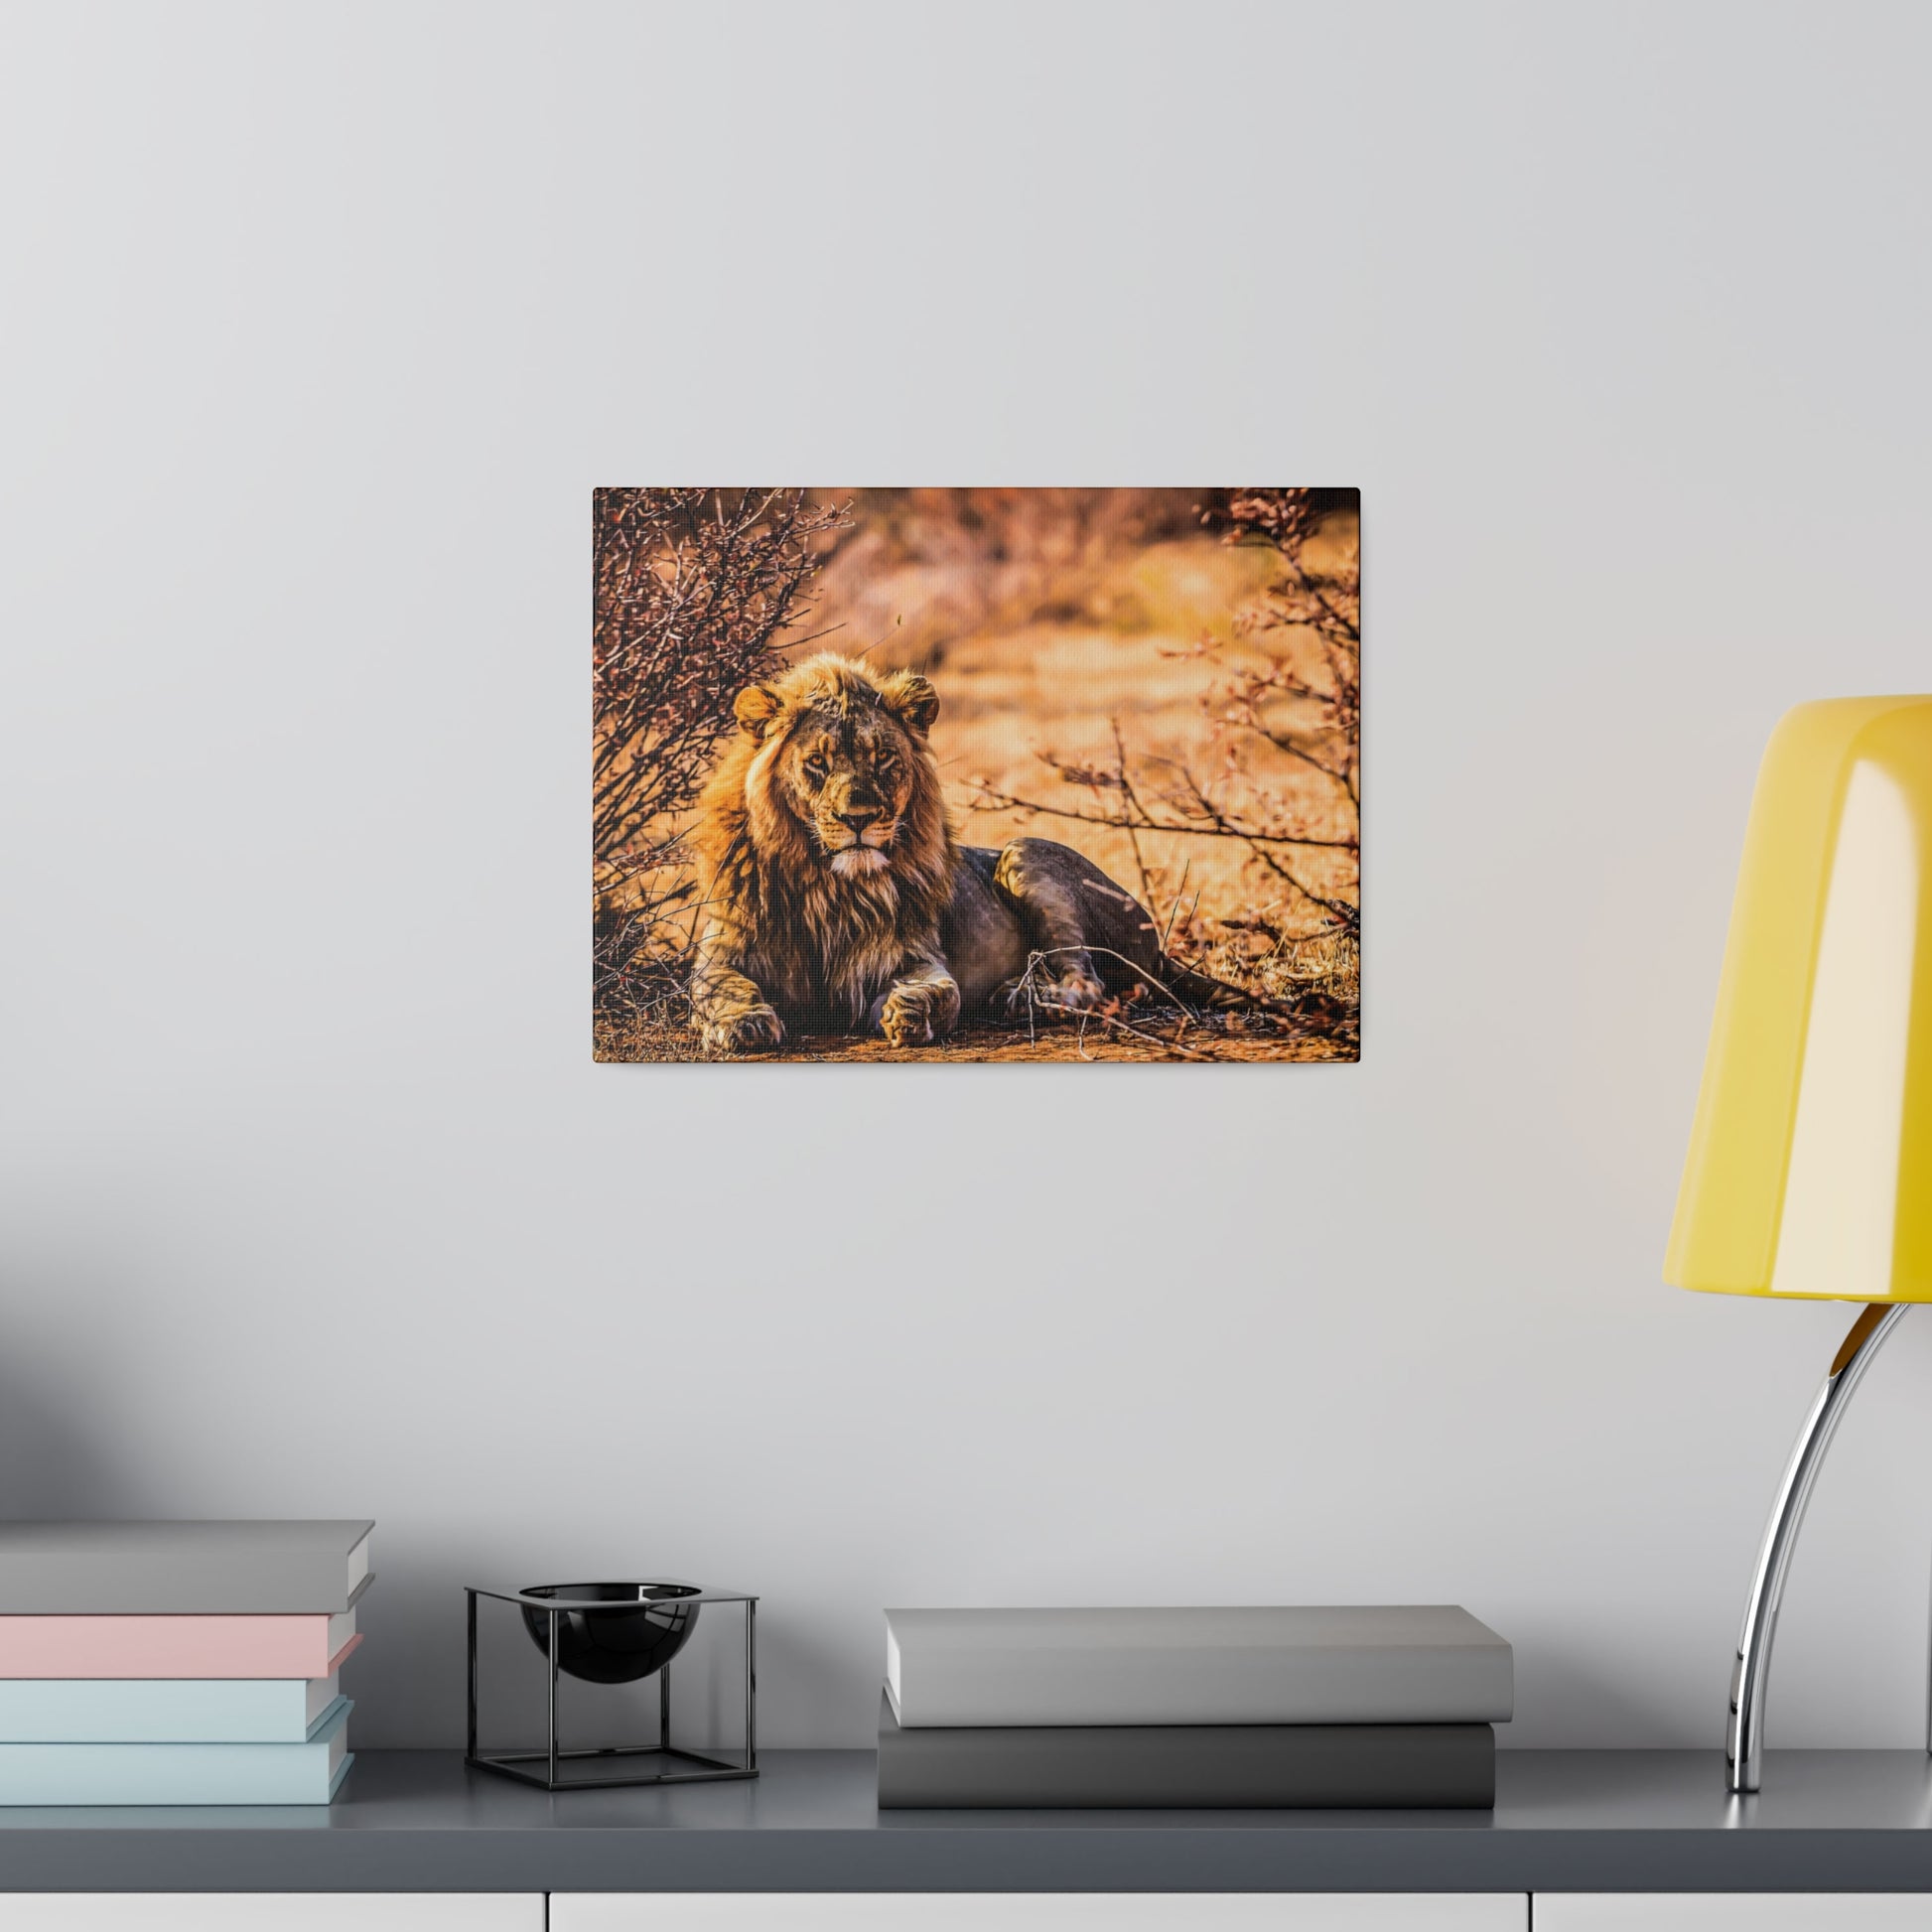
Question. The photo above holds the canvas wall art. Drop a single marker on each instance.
(944, 775)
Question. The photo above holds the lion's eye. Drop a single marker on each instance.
(815, 769)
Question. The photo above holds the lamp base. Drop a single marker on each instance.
(1751, 1673)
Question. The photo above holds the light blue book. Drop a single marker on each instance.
(308, 1773)
(164, 1710)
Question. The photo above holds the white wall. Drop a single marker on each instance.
(322, 324)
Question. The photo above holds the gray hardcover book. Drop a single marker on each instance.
(1363, 1664)
(1173, 1767)
(237, 1569)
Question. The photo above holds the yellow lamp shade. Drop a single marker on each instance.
(1810, 1170)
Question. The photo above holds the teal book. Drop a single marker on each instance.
(164, 1710)
(308, 1773)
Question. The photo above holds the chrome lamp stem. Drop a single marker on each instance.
(1745, 1735)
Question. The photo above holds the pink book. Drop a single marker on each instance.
(175, 1646)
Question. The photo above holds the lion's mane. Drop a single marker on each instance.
(823, 942)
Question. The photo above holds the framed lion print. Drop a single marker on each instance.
(939, 775)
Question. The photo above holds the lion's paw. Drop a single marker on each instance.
(757, 1029)
(1077, 990)
(918, 1012)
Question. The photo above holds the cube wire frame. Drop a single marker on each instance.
(701, 1769)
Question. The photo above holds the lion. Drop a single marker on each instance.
(838, 900)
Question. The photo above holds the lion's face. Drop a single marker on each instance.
(842, 755)
(849, 778)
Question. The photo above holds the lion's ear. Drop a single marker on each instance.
(755, 707)
(912, 698)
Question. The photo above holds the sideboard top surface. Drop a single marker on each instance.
(1565, 1821)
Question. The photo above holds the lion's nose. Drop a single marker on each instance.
(858, 819)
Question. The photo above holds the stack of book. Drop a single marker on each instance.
(1350, 1706)
(177, 1663)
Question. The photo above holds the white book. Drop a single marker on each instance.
(213, 1569)
(1366, 1664)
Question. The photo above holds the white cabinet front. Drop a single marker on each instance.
(1690, 1911)
(1037, 1912)
(240, 1911)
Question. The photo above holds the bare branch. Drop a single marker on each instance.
(692, 588)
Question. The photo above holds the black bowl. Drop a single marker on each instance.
(644, 1628)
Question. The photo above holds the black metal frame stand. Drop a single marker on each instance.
(675, 1765)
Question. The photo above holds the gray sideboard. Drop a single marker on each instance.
(1566, 1822)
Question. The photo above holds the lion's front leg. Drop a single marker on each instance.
(735, 1017)
(729, 1010)
(919, 1009)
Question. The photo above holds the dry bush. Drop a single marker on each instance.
(692, 588)
(1280, 773)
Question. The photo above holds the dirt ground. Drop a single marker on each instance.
(1209, 1041)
